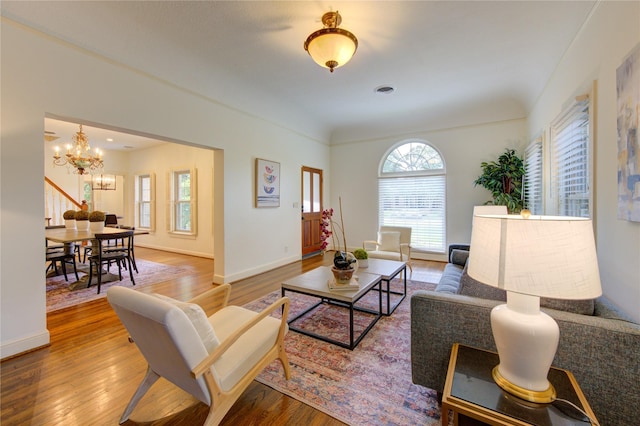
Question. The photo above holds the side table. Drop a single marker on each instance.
(471, 393)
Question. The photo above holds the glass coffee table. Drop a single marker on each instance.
(315, 284)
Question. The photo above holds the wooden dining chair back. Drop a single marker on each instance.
(121, 245)
(57, 255)
(101, 256)
(205, 347)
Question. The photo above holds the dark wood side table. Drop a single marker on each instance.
(474, 398)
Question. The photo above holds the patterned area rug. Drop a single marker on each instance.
(370, 385)
(60, 296)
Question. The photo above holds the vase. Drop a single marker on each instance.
(363, 263)
(96, 226)
(82, 225)
(70, 223)
(342, 276)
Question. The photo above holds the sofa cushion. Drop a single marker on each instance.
(388, 241)
(472, 287)
(199, 320)
(450, 279)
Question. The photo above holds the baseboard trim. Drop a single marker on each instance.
(27, 344)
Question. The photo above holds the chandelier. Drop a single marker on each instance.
(79, 156)
(331, 47)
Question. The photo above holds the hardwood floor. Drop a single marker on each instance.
(90, 371)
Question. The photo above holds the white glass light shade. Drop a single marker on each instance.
(331, 47)
(546, 256)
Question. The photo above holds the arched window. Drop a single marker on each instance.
(411, 192)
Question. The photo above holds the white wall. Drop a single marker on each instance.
(43, 76)
(605, 41)
(355, 165)
(161, 161)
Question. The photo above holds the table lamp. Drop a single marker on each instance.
(538, 256)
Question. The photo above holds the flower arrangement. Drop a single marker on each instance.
(327, 230)
(69, 215)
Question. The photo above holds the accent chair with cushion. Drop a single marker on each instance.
(205, 347)
(393, 243)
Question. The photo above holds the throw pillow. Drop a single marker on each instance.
(199, 320)
(459, 257)
(388, 241)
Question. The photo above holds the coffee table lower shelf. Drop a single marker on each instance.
(314, 284)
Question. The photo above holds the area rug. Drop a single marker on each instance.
(59, 295)
(370, 385)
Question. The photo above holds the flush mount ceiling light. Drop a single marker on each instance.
(331, 47)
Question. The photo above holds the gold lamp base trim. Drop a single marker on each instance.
(539, 397)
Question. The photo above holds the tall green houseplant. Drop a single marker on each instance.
(503, 178)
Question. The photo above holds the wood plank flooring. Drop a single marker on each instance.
(90, 371)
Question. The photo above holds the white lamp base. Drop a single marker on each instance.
(527, 340)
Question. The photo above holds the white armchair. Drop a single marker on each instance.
(394, 243)
(186, 347)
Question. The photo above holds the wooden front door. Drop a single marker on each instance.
(311, 210)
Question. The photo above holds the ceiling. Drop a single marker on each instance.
(450, 62)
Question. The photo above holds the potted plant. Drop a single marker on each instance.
(82, 220)
(96, 219)
(362, 256)
(504, 180)
(69, 219)
(343, 262)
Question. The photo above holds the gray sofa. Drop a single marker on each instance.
(599, 344)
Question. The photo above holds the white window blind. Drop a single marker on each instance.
(533, 164)
(411, 192)
(571, 162)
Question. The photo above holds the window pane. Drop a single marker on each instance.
(184, 186)
(418, 202)
(570, 148)
(145, 215)
(183, 217)
(412, 156)
(145, 188)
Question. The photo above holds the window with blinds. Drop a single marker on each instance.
(534, 166)
(570, 151)
(411, 192)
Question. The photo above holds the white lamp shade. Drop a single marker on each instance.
(546, 256)
(331, 45)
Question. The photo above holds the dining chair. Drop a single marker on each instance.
(57, 255)
(207, 348)
(102, 257)
(120, 245)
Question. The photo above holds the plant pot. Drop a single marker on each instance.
(342, 276)
(70, 223)
(363, 263)
(82, 225)
(96, 226)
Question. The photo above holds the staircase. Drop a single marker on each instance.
(56, 202)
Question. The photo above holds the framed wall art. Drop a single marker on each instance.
(628, 89)
(267, 183)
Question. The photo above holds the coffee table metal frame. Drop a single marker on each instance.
(388, 269)
(315, 284)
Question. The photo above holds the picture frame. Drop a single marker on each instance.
(267, 183)
(628, 109)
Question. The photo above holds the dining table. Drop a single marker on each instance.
(68, 237)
